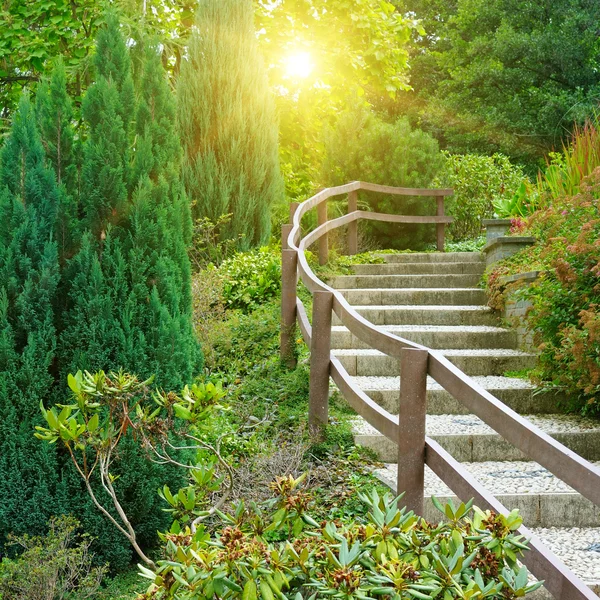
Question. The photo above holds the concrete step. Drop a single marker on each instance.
(518, 394)
(426, 315)
(415, 296)
(442, 268)
(433, 257)
(404, 281)
(493, 361)
(468, 439)
(578, 548)
(542, 499)
(435, 336)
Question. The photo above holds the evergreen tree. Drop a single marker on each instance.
(227, 122)
(129, 286)
(30, 485)
(55, 115)
(160, 233)
(108, 108)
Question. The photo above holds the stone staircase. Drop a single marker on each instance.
(434, 299)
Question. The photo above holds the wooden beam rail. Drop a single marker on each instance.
(559, 460)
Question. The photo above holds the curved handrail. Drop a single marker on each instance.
(558, 459)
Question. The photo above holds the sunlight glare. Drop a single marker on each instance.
(299, 65)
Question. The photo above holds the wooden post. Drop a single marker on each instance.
(411, 434)
(320, 348)
(293, 208)
(289, 280)
(323, 240)
(440, 226)
(352, 227)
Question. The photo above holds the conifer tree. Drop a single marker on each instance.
(227, 122)
(129, 286)
(29, 275)
(108, 109)
(55, 115)
(159, 235)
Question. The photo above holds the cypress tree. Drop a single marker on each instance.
(30, 485)
(55, 116)
(129, 290)
(159, 235)
(227, 122)
(108, 108)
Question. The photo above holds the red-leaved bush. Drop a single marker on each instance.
(565, 313)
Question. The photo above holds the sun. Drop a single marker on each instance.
(299, 65)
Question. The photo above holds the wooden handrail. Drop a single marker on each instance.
(559, 460)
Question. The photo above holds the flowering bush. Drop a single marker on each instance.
(565, 315)
(277, 550)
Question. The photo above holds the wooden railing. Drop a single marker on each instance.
(416, 362)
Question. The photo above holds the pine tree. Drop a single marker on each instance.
(227, 122)
(29, 275)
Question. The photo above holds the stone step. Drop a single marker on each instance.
(415, 296)
(578, 548)
(426, 315)
(441, 268)
(404, 281)
(435, 257)
(469, 439)
(542, 499)
(518, 394)
(492, 361)
(435, 336)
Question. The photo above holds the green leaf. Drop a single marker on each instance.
(249, 591)
(93, 423)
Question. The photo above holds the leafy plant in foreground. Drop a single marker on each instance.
(277, 550)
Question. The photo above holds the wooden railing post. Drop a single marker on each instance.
(440, 226)
(320, 348)
(289, 280)
(352, 227)
(411, 434)
(323, 240)
(293, 208)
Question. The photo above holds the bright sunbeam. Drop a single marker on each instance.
(299, 66)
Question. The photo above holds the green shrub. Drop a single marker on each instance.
(278, 550)
(228, 123)
(364, 147)
(479, 182)
(55, 565)
(251, 278)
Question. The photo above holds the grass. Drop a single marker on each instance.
(520, 374)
